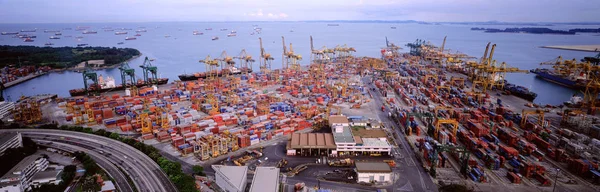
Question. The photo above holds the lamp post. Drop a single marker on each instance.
(555, 178)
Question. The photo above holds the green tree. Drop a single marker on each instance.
(115, 136)
(198, 170)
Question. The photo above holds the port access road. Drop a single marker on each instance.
(145, 173)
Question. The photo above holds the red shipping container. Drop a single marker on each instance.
(147, 136)
(126, 127)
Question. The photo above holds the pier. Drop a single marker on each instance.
(588, 48)
(23, 79)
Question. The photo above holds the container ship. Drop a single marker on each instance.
(108, 84)
(519, 91)
(10, 33)
(202, 75)
(571, 81)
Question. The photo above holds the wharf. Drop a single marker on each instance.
(588, 48)
(23, 79)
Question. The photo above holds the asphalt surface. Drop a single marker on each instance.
(105, 163)
(146, 174)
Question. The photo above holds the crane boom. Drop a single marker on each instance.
(485, 54)
(443, 44)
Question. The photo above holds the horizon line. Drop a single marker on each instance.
(347, 21)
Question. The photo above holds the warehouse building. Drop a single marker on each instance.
(231, 178)
(373, 172)
(311, 144)
(265, 179)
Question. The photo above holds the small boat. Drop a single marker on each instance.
(252, 33)
(223, 29)
(109, 30)
(79, 37)
(140, 30)
(54, 37)
(120, 32)
(393, 27)
(231, 35)
(48, 44)
(130, 38)
(51, 31)
(167, 36)
(233, 31)
(138, 35)
(215, 38)
(291, 30)
(208, 29)
(28, 30)
(151, 59)
(90, 32)
(28, 40)
(120, 43)
(82, 44)
(198, 33)
(58, 33)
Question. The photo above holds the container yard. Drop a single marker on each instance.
(463, 120)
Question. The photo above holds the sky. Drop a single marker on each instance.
(83, 11)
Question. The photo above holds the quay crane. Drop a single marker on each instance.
(212, 72)
(265, 59)
(245, 61)
(147, 67)
(291, 59)
(89, 74)
(127, 72)
(227, 64)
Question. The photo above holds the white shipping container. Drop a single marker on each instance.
(254, 142)
(284, 121)
(262, 117)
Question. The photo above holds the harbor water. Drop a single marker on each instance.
(176, 50)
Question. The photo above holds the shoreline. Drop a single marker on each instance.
(33, 76)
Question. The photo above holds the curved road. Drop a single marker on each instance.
(120, 179)
(146, 174)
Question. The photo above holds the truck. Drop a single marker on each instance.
(341, 163)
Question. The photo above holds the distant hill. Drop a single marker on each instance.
(61, 57)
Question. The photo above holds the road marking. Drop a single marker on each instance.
(406, 187)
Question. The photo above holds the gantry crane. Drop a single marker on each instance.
(227, 64)
(27, 111)
(440, 122)
(145, 122)
(316, 56)
(147, 67)
(127, 73)
(265, 59)
(416, 47)
(88, 74)
(214, 103)
(212, 72)
(496, 74)
(291, 60)
(245, 62)
(390, 51)
(527, 112)
(463, 155)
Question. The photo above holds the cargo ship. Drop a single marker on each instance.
(28, 30)
(48, 44)
(215, 38)
(572, 82)
(10, 33)
(120, 32)
(108, 84)
(130, 38)
(519, 91)
(82, 44)
(140, 30)
(58, 33)
(54, 37)
(202, 75)
(28, 40)
(197, 33)
(89, 32)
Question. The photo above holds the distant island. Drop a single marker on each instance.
(585, 30)
(63, 57)
(532, 30)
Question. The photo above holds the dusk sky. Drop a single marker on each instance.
(71, 11)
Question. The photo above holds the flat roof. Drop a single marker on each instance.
(312, 141)
(345, 136)
(373, 142)
(4, 137)
(233, 174)
(338, 119)
(368, 133)
(265, 179)
(373, 167)
(46, 175)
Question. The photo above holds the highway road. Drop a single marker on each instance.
(108, 165)
(146, 174)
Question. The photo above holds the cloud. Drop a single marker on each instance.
(283, 15)
(259, 13)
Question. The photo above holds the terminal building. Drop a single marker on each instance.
(344, 140)
(231, 178)
(265, 179)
